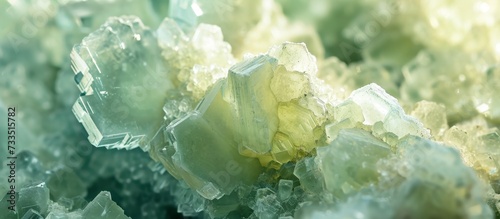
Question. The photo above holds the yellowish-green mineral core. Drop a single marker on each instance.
(269, 109)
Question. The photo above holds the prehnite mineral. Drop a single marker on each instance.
(251, 109)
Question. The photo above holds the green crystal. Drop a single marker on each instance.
(255, 106)
(65, 184)
(33, 198)
(442, 191)
(391, 111)
(32, 214)
(285, 189)
(103, 207)
(349, 162)
(432, 115)
(121, 103)
(309, 174)
(185, 156)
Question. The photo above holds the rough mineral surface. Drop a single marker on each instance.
(249, 109)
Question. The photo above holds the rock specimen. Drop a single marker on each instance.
(250, 109)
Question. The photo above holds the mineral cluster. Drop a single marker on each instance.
(250, 109)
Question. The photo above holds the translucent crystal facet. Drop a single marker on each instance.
(349, 162)
(255, 106)
(123, 84)
(201, 149)
(103, 207)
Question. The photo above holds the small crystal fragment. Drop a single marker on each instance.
(34, 197)
(102, 207)
(432, 115)
(310, 175)
(285, 188)
(32, 214)
(377, 105)
(349, 162)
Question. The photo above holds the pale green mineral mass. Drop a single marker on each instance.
(267, 205)
(32, 214)
(255, 114)
(377, 105)
(102, 207)
(349, 162)
(419, 174)
(61, 212)
(372, 108)
(347, 115)
(123, 82)
(433, 177)
(310, 175)
(249, 26)
(196, 59)
(33, 198)
(200, 149)
(452, 88)
(471, 26)
(432, 115)
(285, 189)
(279, 104)
(69, 186)
(248, 129)
(478, 145)
(485, 98)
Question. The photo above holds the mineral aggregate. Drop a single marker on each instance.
(250, 109)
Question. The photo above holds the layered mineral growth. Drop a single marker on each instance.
(201, 149)
(266, 133)
(390, 111)
(238, 120)
(123, 81)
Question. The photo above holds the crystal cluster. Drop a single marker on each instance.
(251, 109)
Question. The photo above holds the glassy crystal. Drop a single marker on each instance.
(234, 120)
(432, 115)
(196, 59)
(255, 106)
(32, 214)
(33, 198)
(123, 82)
(103, 207)
(349, 162)
(485, 98)
(201, 149)
(377, 105)
(309, 174)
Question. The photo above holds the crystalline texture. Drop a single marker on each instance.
(33, 197)
(434, 178)
(255, 107)
(123, 83)
(201, 149)
(309, 174)
(432, 115)
(377, 105)
(102, 207)
(196, 59)
(185, 12)
(349, 162)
